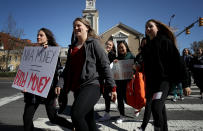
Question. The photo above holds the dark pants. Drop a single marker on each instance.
(82, 111)
(159, 109)
(29, 112)
(147, 113)
(121, 95)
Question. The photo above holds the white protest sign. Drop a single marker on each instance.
(36, 70)
(123, 69)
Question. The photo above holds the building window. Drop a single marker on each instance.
(1, 46)
(9, 58)
(90, 19)
(3, 58)
(16, 58)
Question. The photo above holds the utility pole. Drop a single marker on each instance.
(169, 23)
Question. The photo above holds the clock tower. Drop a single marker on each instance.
(91, 14)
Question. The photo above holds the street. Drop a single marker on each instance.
(186, 115)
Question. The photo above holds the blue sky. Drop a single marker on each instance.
(58, 15)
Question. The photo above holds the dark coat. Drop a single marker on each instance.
(162, 62)
(197, 69)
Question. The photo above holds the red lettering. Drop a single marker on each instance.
(38, 83)
(41, 83)
(33, 80)
(17, 77)
(20, 79)
(23, 79)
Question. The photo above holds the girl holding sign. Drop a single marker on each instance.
(87, 65)
(45, 38)
(123, 54)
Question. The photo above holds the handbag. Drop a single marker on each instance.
(135, 91)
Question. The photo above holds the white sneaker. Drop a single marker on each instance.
(105, 117)
(182, 98)
(174, 99)
(120, 120)
(137, 112)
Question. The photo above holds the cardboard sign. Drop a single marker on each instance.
(123, 69)
(36, 70)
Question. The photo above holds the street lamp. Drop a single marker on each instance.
(169, 23)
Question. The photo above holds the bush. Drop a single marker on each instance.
(7, 74)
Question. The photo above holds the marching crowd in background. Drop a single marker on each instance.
(87, 74)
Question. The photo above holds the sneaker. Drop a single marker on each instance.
(182, 98)
(120, 120)
(174, 99)
(137, 113)
(105, 117)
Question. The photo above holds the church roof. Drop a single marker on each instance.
(121, 25)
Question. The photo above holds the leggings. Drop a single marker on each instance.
(82, 111)
(159, 109)
(29, 112)
(121, 95)
(147, 113)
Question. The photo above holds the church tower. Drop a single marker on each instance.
(91, 14)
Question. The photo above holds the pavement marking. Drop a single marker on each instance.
(9, 99)
(44, 123)
(177, 107)
(173, 125)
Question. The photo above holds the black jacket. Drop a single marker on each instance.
(162, 62)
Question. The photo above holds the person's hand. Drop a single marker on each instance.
(138, 67)
(45, 45)
(134, 67)
(57, 90)
(24, 91)
(187, 91)
(113, 96)
(115, 61)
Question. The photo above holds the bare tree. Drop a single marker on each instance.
(13, 41)
(196, 45)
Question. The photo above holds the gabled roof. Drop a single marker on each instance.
(126, 27)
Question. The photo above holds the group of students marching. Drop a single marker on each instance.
(194, 68)
(88, 67)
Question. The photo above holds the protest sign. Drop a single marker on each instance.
(122, 69)
(36, 70)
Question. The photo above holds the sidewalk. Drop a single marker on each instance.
(7, 78)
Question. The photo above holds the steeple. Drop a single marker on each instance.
(91, 14)
(90, 5)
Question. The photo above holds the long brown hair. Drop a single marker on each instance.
(90, 33)
(164, 30)
(50, 36)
